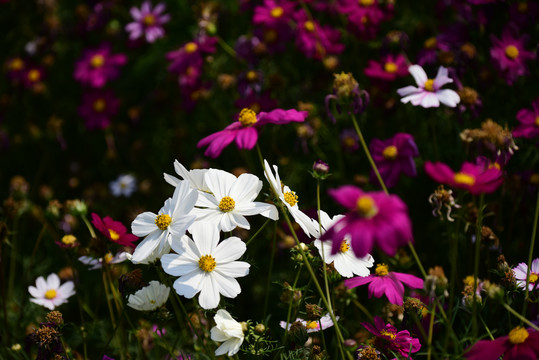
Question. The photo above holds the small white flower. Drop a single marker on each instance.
(194, 177)
(345, 262)
(289, 198)
(49, 293)
(97, 263)
(125, 185)
(312, 326)
(172, 221)
(150, 297)
(205, 266)
(230, 200)
(228, 331)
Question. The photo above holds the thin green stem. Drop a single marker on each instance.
(486, 328)
(257, 232)
(431, 330)
(530, 254)
(418, 262)
(323, 253)
(290, 305)
(520, 317)
(89, 226)
(478, 226)
(363, 309)
(270, 270)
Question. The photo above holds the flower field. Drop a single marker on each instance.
(269, 179)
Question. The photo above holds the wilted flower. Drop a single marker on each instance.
(148, 22)
(443, 198)
(228, 331)
(347, 95)
(313, 325)
(492, 137)
(150, 297)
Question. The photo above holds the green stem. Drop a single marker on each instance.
(89, 226)
(290, 306)
(486, 328)
(270, 270)
(257, 232)
(431, 329)
(520, 317)
(478, 226)
(324, 267)
(530, 253)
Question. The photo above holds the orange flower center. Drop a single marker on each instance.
(312, 325)
(309, 26)
(429, 85)
(227, 204)
(114, 236)
(388, 333)
(537, 120)
(344, 247)
(108, 258)
(511, 52)
(99, 105)
(50, 294)
(16, 64)
(430, 43)
(366, 207)
(69, 239)
(163, 221)
(251, 75)
(366, 2)
(207, 263)
(533, 278)
(34, 75)
(518, 335)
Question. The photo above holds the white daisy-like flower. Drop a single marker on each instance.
(125, 185)
(49, 293)
(312, 326)
(428, 92)
(205, 266)
(289, 198)
(149, 297)
(345, 262)
(97, 263)
(521, 271)
(172, 221)
(194, 177)
(230, 199)
(228, 331)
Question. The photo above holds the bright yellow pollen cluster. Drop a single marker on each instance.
(429, 85)
(511, 51)
(207, 263)
(149, 20)
(16, 64)
(291, 198)
(366, 2)
(464, 179)
(247, 117)
(251, 75)
(344, 247)
(190, 47)
(388, 333)
(34, 75)
(97, 61)
(309, 26)
(366, 206)
(163, 221)
(390, 67)
(468, 280)
(312, 325)
(227, 204)
(518, 335)
(50, 294)
(69, 239)
(533, 278)
(114, 236)
(381, 270)
(99, 105)
(277, 12)
(108, 258)
(390, 152)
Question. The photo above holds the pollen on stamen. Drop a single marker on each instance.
(309, 26)
(247, 117)
(429, 85)
(97, 61)
(163, 221)
(344, 247)
(381, 270)
(511, 51)
(388, 333)
(50, 294)
(366, 206)
(390, 152)
(464, 179)
(277, 12)
(291, 198)
(114, 236)
(227, 204)
(312, 325)
(390, 67)
(190, 47)
(533, 278)
(518, 335)
(207, 263)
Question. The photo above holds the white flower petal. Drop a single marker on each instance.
(209, 293)
(233, 269)
(144, 224)
(419, 74)
(219, 182)
(448, 97)
(229, 250)
(145, 248)
(189, 285)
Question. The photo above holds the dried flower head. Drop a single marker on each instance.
(468, 96)
(488, 236)
(45, 336)
(314, 312)
(55, 317)
(492, 136)
(442, 198)
(368, 353)
(436, 282)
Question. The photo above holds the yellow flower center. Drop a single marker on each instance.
(50, 294)
(312, 325)
(366, 2)
(227, 204)
(247, 117)
(163, 221)
(16, 64)
(518, 335)
(190, 47)
(511, 52)
(390, 152)
(34, 75)
(464, 179)
(97, 61)
(366, 206)
(207, 263)
(390, 67)
(114, 236)
(291, 198)
(344, 247)
(149, 20)
(69, 239)
(277, 12)
(533, 278)
(430, 43)
(468, 280)
(388, 333)
(429, 85)
(108, 258)
(381, 270)
(309, 26)
(251, 75)
(99, 105)
(537, 120)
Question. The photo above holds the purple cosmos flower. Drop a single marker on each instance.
(314, 40)
(521, 272)
(509, 56)
(529, 122)
(244, 130)
(191, 54)
(113, 230)
(520, 343)
(393, 156)
(148, 22)
(429, 93)
(388, 339)
(383, 282)
(364, 16)
(389, 68)
(476, 178)
(274, 14)
(374, 218)
(97, 108)
(97, 66)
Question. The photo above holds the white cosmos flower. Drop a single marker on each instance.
(172, 221)
(228, 331)
(97, 263)
(289, 198)
(230, 199)
(312, 326)
(150, 297)
(125, 185)
(49, 293)
(205, 266)
(194, 177)
(345, 262)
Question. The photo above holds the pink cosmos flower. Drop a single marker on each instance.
(244, 130)
(191, 54)
(383, 282)
(364, 16)
(429, 92)
(520, 343)
(389, 339)
(314, 40)
(529, 122)
(97, 66)
(274, 14)
(510, 56)
(374, 218)
(114, 230)
(393, 156)
(389, 68)
(97, 109)
(148, 22)
(521, 272)
(476, 178)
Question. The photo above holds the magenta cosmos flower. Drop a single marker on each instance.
(364, 16)
(97, 66)
(97, 109)
(529, 122)
(274, 14)
(191, 54)
(113, 230)
(520, 343)
(244, 130)
(314, 40)
(509, 56)
(477, 179)
(148, 22)
(383, 282)
(375, 218)
(428, 92)
(389, 68)
(388, 339)
(521, 272)
(393, 156)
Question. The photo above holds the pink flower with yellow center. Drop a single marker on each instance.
(97, 66)
(520, 343)
(148, 22)
(528, 126)
(273, 14)
(388, 339)
(98, 108)
(389, 68)
(113, 230)
(509, 55)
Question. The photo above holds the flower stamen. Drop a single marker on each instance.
(366, 206)
(344, 247)
(390, 67)
(429, 85)
(99, 105)
(381, 270)
(311, 325)
(518, 335)
(390, 152)
(50, 294)
(511, 51)
(309, 26)
(277, 12)
(149, 20)
(114, 236)
(464, 179)
(291, 198)
(207, 263)
(227, 204)
(190, 47)
(97, 61)
(163, 221)
(388, 333)
(247, 117)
